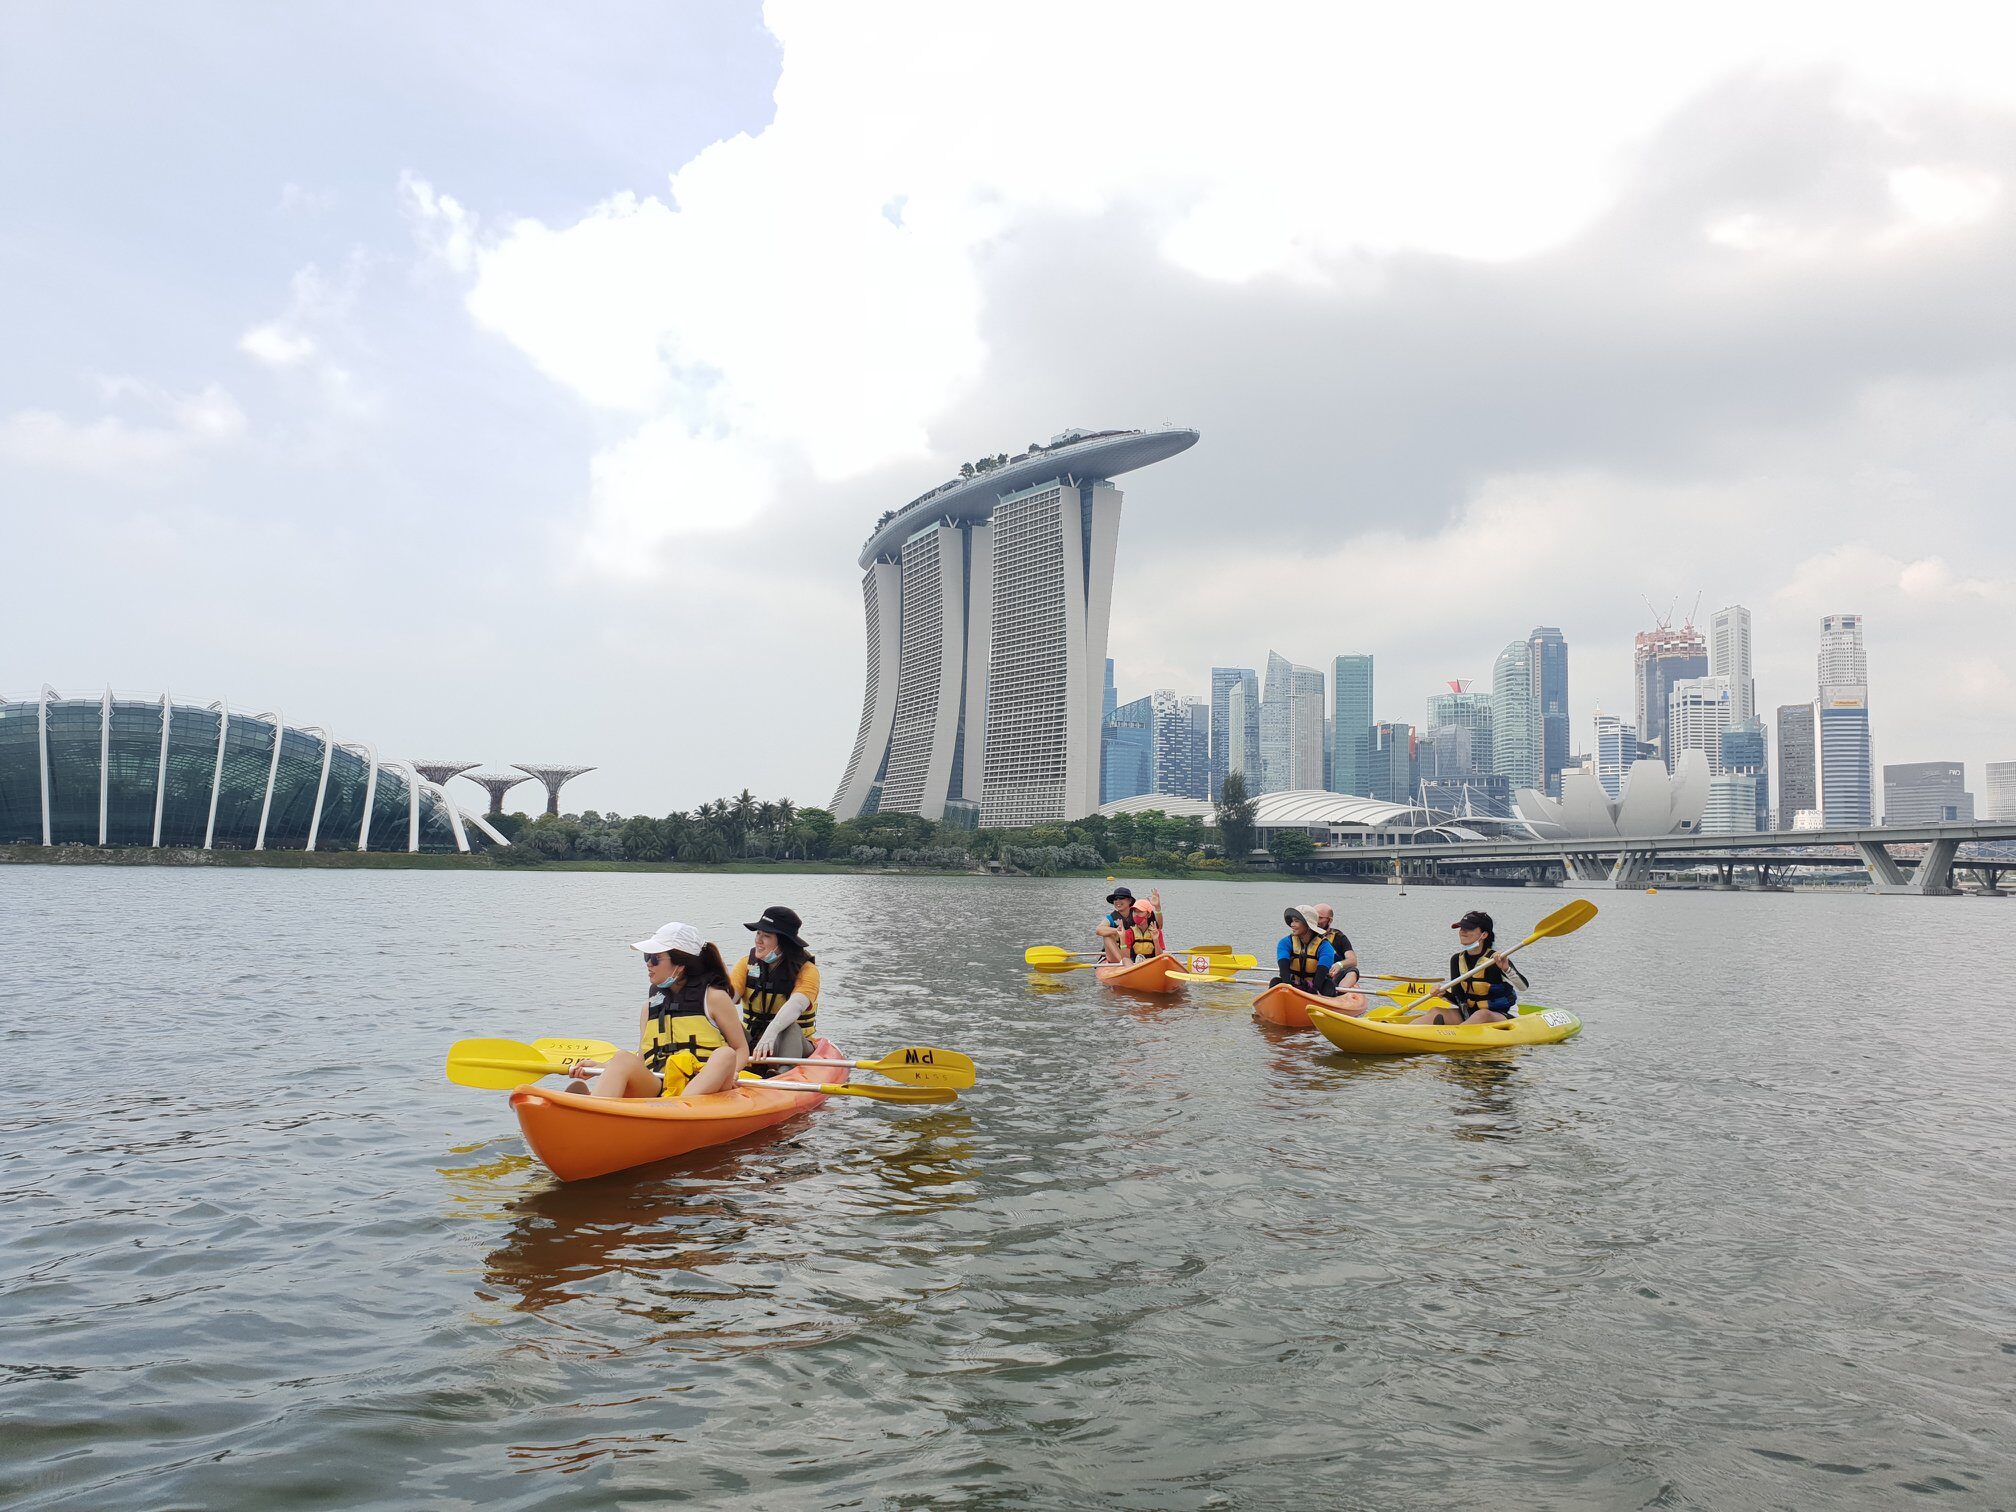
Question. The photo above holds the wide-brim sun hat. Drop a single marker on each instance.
(1120, 892)
(683, 938)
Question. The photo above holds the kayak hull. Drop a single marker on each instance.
(1535, 1025)
(1151, 975)
(578, 1136)
(1289, 1006)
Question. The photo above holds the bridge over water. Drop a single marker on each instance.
(1944, 851)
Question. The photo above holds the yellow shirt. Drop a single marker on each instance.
(808, 981)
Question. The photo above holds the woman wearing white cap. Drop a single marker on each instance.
(690, 1033)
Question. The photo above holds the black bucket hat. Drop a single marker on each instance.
(1120, 892)
(1475, 919)
(781, 922)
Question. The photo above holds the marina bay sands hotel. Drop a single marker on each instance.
(987, 602)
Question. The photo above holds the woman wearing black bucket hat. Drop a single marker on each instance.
(777, 984)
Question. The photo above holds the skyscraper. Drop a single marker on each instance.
(1660, 659)
(1127, 751)
(1745, 753)
(1998, 793)
(1729, 656)
(1698, 710)
(1847, 765)
(1616, 749)
(1459, 727)
(1515, 718)
(1182, 766)
(987, 601)
(1548, 651)
(1242, 732)
(1396, 767)
(1112, 696)
(1223, 681)
(1732, 804)
(1926, 792)
(1798, 788)
(1351, 740)
(1291, 727)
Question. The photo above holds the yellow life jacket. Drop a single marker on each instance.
(1141, 944)
(761, 999)
(1480, 990)
(678, 1021)
(1304, 969)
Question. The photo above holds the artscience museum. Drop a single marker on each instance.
(117, 770)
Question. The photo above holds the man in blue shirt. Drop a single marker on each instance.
(1303, 958)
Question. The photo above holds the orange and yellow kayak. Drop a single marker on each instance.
(1151, 975)
(1289, 1006)
(578, 1136)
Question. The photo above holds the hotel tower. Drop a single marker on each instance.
(987, 601)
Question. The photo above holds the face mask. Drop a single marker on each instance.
(772, 957)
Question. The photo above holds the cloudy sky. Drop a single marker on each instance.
(518, 382)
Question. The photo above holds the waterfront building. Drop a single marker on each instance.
(109, 770)
(1617, 749)
(1808, 819)
(1127, 751)
(1729, 656)
(1732, 804)
(1242, 750)
(1515, 718)
(1698, 710)
(1351, 724)
(1291, 727)
(1745, 752)
(1485, 796)
(1660, 658)
(1847, 760)
(1396, 766)
(1547, 651)
(1998, 793)
(1798, 784)
(1460, 710)
(1926, 792)
(1655, 802)
(987, 600)
(1228, 734)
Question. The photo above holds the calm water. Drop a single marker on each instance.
(1745, 1243)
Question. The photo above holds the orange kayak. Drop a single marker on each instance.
(580, 1136)
(1151, 975)
(1289, 1006)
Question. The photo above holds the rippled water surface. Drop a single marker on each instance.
(1745, 1243)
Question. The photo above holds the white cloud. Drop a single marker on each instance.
(662, 483)
(122, 450)
(277, 344)
(813, 294)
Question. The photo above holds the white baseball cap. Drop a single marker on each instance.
(683, 938)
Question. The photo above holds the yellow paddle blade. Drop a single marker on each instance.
(497, 1064)
(848, 1089)
(574, 1049)
(1054, 967)
(925, 1066)
(1041, 956)
(1564, 920)
(1206, 950)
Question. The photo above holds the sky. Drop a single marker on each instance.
(506, 382)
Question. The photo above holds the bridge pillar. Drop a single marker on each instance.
(1990, 878)
(1628, 870)
(1931, 877)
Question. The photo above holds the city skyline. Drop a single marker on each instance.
(624, 359)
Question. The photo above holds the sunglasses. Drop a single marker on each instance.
(656, 959)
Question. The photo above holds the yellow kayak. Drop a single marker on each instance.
(1535, 1025)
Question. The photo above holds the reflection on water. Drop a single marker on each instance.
(1163, 1256)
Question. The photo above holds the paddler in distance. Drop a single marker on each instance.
(1133, 930)
(777, 984)
(690, 1039)
(1492, 993)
